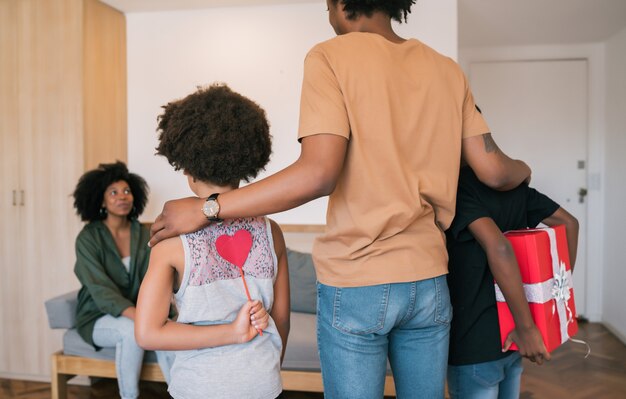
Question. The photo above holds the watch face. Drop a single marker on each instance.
(211, 208)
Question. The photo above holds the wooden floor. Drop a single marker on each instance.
(569, 375)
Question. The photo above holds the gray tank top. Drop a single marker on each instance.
(212, 292)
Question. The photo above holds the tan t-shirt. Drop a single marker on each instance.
(404, 109)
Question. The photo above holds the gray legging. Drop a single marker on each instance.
(119, 333)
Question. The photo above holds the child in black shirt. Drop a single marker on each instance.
(478, 367)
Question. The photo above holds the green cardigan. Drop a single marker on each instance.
(107, 288)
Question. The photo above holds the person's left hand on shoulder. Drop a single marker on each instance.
(178, 216)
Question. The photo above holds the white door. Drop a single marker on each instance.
(537, 112)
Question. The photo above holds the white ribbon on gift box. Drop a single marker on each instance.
(557, 288)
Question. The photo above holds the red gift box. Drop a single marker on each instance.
(543, 259)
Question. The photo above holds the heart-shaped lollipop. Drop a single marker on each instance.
(235, 249)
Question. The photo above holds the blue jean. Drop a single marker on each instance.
(119, 333)
(359, 329)
(499, 379)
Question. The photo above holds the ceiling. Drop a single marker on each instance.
(529, 22)
(163, 5)
(481, 22)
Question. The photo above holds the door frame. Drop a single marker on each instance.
(594, 54)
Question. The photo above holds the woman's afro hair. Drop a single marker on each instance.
(89, 192)
(216, 135)
(398, 10)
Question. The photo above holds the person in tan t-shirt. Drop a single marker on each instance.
(384, 124)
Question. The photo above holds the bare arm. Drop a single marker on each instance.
(281, 308)
(153, 329)
(503, 266)
(561, 216)
(493, 167)
(313, 175)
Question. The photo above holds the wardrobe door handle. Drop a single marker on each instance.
(22, 197)
(14, 197)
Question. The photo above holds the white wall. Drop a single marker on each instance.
(258, 51)
(613, 310)
(594, 54)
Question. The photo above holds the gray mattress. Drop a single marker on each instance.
(301, 351)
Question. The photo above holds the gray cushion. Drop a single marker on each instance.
(74, 345)
(302, 282)
(301, 352)
(61, 310)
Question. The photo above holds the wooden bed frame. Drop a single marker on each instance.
(65, 367)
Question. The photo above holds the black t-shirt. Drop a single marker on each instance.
(475, 333)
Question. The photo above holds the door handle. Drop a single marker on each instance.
(22, 197)
(582, 193)
(14, 197)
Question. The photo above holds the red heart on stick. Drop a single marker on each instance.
(236, 248)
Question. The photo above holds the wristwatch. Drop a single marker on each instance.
(211, 208)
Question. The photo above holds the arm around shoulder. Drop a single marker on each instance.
(493, 167)
(314, 174)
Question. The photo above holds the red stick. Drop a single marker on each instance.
(245, 285)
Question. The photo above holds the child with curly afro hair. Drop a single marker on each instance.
(215, 135)
(230, 278)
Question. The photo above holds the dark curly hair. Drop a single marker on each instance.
(398, 10)
(89, 191)
(215, 135)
